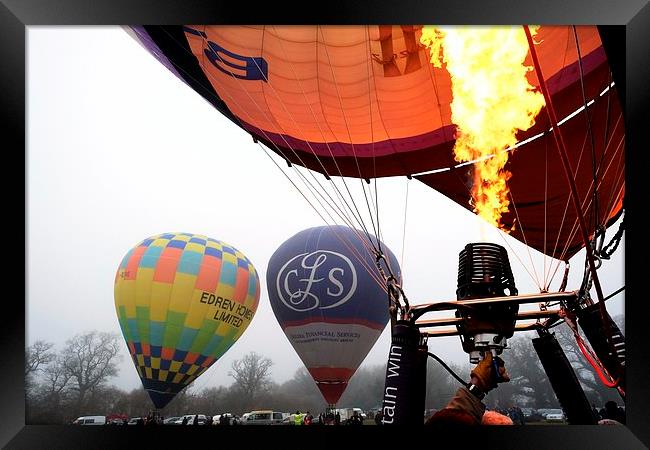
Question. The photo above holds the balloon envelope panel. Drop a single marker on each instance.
(182, 300)
(330, 300)
(362, 100)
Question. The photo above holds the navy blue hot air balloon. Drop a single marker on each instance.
(330, 300)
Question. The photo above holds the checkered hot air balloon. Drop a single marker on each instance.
(182, 301)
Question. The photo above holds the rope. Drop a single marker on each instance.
(610, 248)
(360, 219)
(594, 170)
(356, 160)
(618, 291)
(530, 256)
(565, 280)
(307, 183)
(395, 291)
(546, 281)
(314, 191)
(605, 378)
(406, 202)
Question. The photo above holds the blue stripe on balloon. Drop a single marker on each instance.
(252, 283)
(190, 262)
(174, 243)
(187, 338)
(150, 257)
(179, 355)
(156, 333)
(133, 329)
(212, 345)
(213, 252)
(156, 351)
(228, 273)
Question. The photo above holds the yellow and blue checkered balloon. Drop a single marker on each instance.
(182, 301)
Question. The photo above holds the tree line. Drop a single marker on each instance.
(75, 381)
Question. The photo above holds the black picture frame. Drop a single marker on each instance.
(633, 15)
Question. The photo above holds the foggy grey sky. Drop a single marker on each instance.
(119, 149)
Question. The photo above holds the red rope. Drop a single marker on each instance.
(605, 378)
(600, 371)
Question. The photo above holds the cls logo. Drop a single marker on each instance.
(321, 266)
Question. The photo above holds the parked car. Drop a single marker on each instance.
(264, 417)
(90, 420)
(135, 420)
(232, 419)
(554, 415)
(347, 413)
(190, 419)
(287, 420)
(171, 420)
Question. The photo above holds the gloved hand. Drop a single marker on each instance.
(483, 374)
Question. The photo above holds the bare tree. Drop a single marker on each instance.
(38, 355)
(47, 401)
(300, 392)
(365, 389)
(56, 378)
(90, 359)
(252, 375)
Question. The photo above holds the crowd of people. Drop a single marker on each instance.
(298, 418)
(331, 418)
(465, 408)
(610, 413)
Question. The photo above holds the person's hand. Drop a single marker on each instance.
(484, 376)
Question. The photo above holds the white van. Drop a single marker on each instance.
(263, 418)
(90, 420)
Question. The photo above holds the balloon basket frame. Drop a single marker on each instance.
(550, 316)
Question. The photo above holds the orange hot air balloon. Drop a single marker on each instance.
(365, 102)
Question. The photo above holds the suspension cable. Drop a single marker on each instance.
(284, 156)
(557, 134)
(322, 189)
(448, 369)
(406, 202)
(356, 160)
(589, 130)
(329, 149)
(611, 247)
